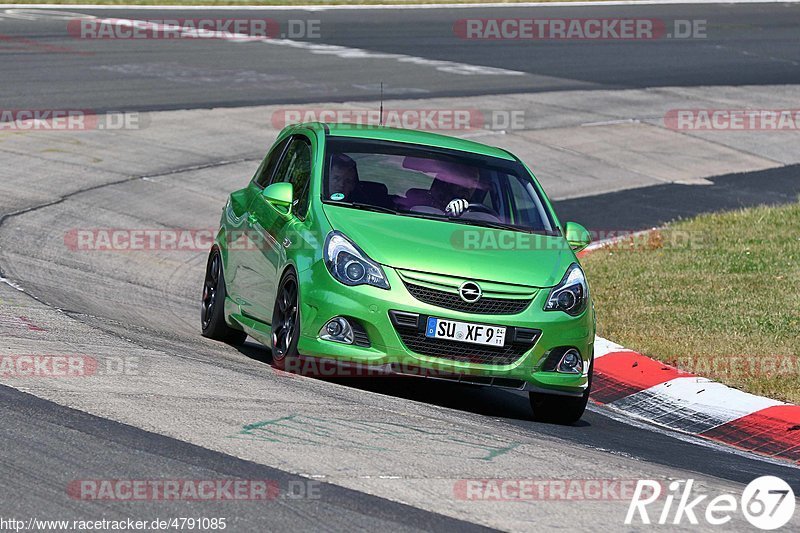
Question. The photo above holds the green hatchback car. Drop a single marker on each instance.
(405, 253)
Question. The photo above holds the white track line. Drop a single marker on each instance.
(343, 52)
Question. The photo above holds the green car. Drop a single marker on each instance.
(402, 252)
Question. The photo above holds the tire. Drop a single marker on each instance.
(286, 322)
(558, 409)
(212, 304)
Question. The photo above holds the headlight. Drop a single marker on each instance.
(349, 265)
(571, 294)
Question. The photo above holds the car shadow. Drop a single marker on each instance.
(476, 399)
(255, 350)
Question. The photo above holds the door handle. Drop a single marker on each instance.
(287, 242)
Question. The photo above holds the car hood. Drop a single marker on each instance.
(454, 249)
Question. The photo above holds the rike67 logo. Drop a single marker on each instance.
(767, 502)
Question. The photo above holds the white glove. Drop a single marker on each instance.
(456, 207)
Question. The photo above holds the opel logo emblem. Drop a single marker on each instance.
(470, 291)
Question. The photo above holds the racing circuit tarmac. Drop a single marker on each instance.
(744, 44)
(378, 453)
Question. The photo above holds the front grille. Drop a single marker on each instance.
(518, 341)
(484, 306)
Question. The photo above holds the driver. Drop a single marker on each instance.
(451, 192)
(344, 178)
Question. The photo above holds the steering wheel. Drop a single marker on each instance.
(480, 208)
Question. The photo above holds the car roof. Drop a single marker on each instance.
(424, 138)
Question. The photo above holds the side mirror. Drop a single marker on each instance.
(577, 236)
(280, 195)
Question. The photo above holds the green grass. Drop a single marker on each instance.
(718, 295)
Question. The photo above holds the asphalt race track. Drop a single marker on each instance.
(746, 44)
(346, 454)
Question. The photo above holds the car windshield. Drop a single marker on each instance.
(421, 181)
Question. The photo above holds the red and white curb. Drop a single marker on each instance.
(661, 394)
(658, 393)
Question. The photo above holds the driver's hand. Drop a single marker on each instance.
(456, 207)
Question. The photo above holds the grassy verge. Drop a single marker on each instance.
(718, 295)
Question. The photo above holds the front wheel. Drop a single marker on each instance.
(560, 409)
(212, 304)
(286, 322)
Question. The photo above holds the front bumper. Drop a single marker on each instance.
(322, 298)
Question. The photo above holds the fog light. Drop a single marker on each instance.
(334, 328)
(571, 362)
(337, 329)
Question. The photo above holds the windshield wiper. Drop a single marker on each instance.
(366, 207)
(490, 224)
(471, 222)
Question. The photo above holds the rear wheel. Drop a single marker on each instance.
(212, 304)
(561, 409)
(286, 322)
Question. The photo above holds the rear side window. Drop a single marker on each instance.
(295, 167)
(267, 168)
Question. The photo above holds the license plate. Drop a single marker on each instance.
(440, 328)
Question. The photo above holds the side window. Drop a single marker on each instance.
(267, 168)
(295, 167)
